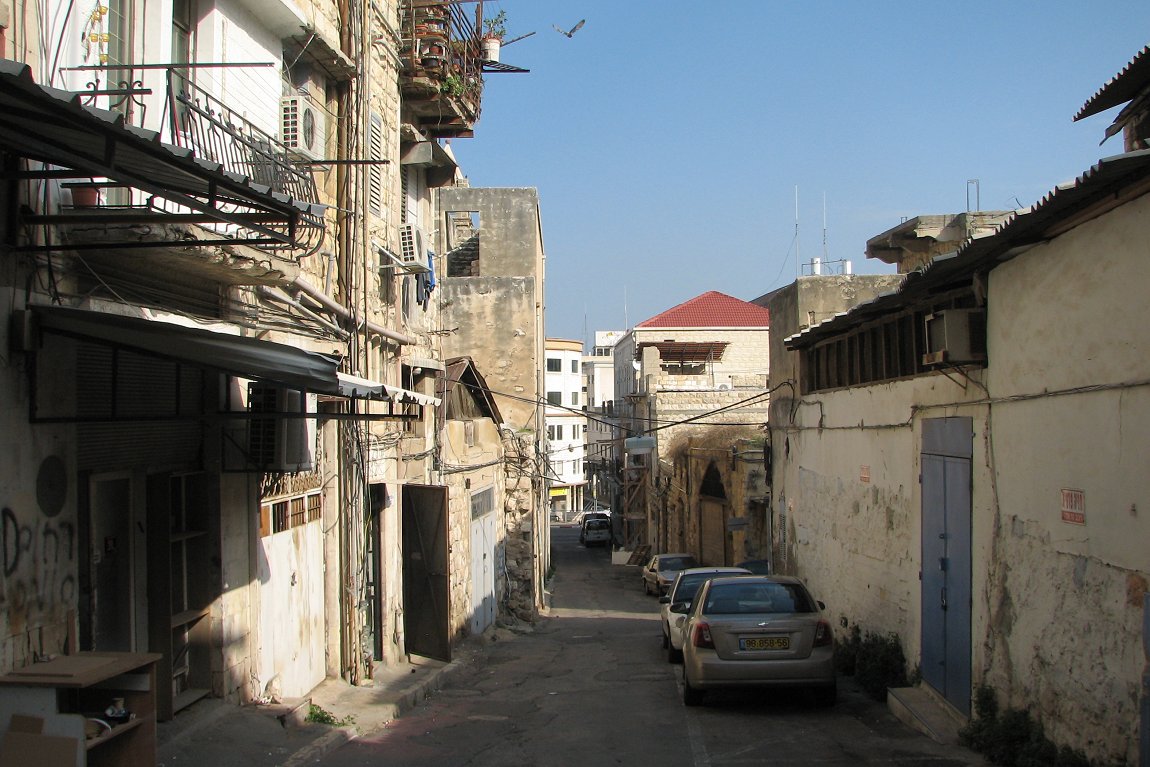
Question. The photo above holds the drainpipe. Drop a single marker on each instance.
(332, 305)
(279, 296)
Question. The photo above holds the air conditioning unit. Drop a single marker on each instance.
(303, 125)
(955, 337)
(413, 248)
(283, 441)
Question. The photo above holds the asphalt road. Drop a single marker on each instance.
(590, 685)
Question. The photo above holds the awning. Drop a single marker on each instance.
(687, 352)
(355, 387)
(55, 127)
(236, 355)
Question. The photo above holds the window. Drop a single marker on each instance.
(554, 365)
(559, 432)
(574, 366)
(574, 399)
(551, 433)
(279, 516)
(554, 398)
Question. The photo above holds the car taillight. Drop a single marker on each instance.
(823, 635)
(702, 637)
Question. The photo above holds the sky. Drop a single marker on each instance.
(682, 147)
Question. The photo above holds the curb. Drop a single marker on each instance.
(407, 699)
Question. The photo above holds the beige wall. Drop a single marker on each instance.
(1056, 611)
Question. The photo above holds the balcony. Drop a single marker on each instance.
(210, 197)
(442, 58)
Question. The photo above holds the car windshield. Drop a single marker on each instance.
(689, 586)
(736, 598)
(597, 524)
(677, 563)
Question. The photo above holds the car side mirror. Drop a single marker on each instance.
(819, 602)
(664, 600)
(680, 607)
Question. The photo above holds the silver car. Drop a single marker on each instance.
(757, 631)
(660, 571)
(673, 606)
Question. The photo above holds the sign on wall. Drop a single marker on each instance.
(1074, 506)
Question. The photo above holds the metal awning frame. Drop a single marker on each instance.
(55, 127)
(238, 356)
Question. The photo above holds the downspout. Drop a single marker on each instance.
(333, 305)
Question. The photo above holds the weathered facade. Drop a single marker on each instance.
(492, 297)
(222, 403)
(960, 464)
(695, 372)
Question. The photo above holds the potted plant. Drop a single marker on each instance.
(494, 30)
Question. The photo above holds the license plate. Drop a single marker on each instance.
(765, 643)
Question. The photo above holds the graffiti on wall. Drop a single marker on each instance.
(38, 553)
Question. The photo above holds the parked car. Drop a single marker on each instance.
(660, 571)
(595, 531)
(757, 631)
(756, 566)
(677, 601)
(585, 515)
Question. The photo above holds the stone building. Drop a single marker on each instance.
(492, 302)
(693, 380)
(223, 408)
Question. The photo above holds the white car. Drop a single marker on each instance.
(674, 605)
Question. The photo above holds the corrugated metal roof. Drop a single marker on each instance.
(1110, 183)
(1121, 88)
(687, 352)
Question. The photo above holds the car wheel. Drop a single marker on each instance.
(673, 655)
(646, 587)
(691, 696)
(666, 641)
(825, 697)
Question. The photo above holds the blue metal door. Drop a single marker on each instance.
(946, 579)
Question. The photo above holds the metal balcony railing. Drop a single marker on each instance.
(442, 53)
(213, 130)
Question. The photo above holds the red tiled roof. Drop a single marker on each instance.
(711, 310)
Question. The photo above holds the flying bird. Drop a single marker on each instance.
(574, 29)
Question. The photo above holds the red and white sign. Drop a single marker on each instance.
(1074, 506)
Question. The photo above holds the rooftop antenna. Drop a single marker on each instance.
(824, 226)
(977, 203)
(798, 258)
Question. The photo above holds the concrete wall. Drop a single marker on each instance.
(497, 320)
(1056, 609)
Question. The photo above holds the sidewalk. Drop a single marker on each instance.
(219, 734)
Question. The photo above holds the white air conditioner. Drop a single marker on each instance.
(303, 127)
(955, 337)
(283, 441)
(413, 248)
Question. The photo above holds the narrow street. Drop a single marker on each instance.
(590, 685)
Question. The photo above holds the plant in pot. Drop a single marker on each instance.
(494, 30)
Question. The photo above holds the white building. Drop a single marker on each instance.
(601, 432)
(563, 385)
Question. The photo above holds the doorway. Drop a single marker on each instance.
(426, 585)
(947, 449)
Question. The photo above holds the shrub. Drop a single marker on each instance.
(1012, 738)
(880, 664)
